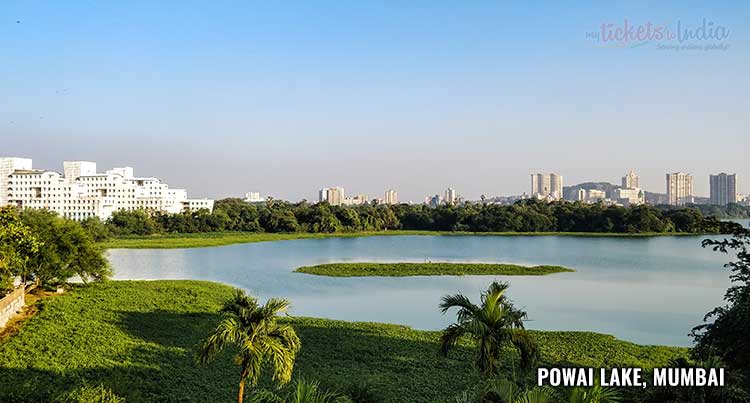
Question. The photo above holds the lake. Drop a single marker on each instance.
(646, 290)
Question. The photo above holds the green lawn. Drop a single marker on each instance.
(138, 338)
(427, 269)
(198, 240)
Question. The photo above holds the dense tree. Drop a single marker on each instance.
(135, 222)
(524, 216)
(725, 335)
(68, 249)
(18, 245)
(493, 324)
(260, 339)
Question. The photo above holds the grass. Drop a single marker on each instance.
(207, 239)
(428, 269)
(138, 339)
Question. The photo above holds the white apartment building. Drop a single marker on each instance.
(82, 192)
(356, 200)
(630, 196)
(591, 195)
(391, 197)
(334, 196)
(253, 197)
(679, 189)
(547, 186)
(7, 166)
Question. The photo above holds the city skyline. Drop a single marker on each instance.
(288, 98)
(324, 192)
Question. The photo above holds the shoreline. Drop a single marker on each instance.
(211, 239)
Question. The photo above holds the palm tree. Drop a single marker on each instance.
(493, 324)
(255, 331)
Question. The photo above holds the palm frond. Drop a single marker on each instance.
(228, 331)
(457, 301)
(450, 336)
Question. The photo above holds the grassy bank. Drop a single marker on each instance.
(427, 269)
(206, 239)
(138, 339)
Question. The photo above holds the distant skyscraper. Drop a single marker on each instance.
(450, 196)
(631, 181)
(334, 196)
(679, 189)
(547, 186)
(723, 189)
(391, 197)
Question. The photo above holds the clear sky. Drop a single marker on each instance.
(286, 97)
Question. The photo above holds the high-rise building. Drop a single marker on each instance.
(631, 181)
(89, 194)
(7, 166)
(548, 186)
(334, 196)
(679, 189)
(391, 197)
(450, 196)
(723, 188)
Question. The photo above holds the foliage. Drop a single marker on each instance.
(731, 392)
(427, 269)
(492, 325)
(725, 333)
(68, 249)
(138, 339)
(592, 394)
(260, 339)
(501, 390)
(523, 216)
(90, 394)
(303, 391)
(17, 246)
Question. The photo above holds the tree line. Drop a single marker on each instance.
(523, 216)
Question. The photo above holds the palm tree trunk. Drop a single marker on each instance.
(243, 376)
(242, 391)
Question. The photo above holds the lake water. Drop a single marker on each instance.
(646, 290)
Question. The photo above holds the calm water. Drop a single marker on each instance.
(646, 290)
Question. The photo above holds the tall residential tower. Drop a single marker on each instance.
(679, 189)
(547, 186)
(723, 189)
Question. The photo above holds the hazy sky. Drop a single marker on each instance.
(287, 97)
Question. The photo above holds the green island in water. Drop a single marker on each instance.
(139, 339)
(365, 269)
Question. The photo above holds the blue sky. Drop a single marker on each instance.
(287, 97)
